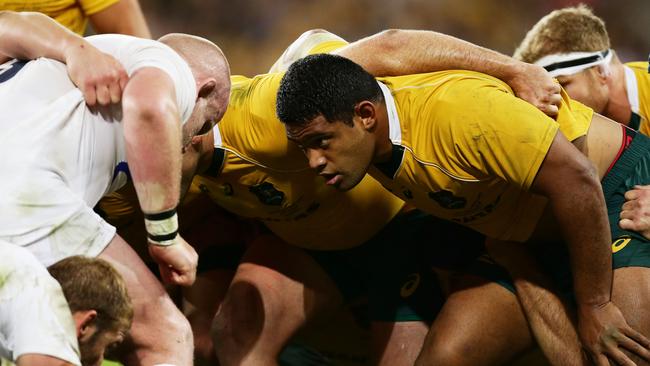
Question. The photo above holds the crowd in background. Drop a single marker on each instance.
(254, 33)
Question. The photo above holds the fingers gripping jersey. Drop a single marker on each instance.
(258, 173)
(637, 81)
(467, 150)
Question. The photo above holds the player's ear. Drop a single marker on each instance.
(367, 112)
(207, 88)
(85, 323)
(603, 72)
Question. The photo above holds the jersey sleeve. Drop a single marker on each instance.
(573, 117)
(91, 7)
(327, 46)
(136, 53)
(263, 95)
(497, 133)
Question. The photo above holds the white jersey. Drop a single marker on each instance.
(34, 315)
(58, 157)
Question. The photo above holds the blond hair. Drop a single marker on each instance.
(573, 29)
(93, 284)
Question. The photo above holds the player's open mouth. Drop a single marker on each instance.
(332, 179)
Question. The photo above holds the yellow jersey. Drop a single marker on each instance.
(637, 82)
(258, 173)
(72, 14)
(327, 46)
(467, 150)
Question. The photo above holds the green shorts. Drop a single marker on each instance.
(630, 249)
(394, 267)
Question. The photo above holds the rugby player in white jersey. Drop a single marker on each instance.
(39, 327)
(60, 156)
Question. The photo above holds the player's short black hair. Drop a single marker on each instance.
(327, 85)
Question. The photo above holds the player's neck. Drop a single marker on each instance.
(618, 105)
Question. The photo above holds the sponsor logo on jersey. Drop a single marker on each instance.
(447, 200)
(267, 194)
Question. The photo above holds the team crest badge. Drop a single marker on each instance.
(267, 194)
(447, 200)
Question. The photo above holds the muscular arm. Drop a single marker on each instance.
(124, 17)
(400, 52)
(551, 319)
(579, 207)
(31, 35)
(28, 36)
(152, 131)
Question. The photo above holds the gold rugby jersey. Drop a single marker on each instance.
(467, 150)
(257, 172)
(72, 14)
(637, 82)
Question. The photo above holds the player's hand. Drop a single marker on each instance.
(533, 84)
(99, 76)
(635, 215)
(177, 262)
(604, 333)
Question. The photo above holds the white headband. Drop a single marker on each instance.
(561, 64)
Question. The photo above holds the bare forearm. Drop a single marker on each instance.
(411, 51)
(153, 150)
(583, 219)
(549, 318)
(124, 17)
(32, 35)
(153, 141)
(571, 184)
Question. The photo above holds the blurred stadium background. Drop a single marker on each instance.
(253, 33)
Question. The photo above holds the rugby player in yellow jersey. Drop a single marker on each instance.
(402, 356)
(106, 16)
(574, 43)
(499, 65)
(460, 146)
(257, 173)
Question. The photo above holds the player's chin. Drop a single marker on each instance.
(346, 183)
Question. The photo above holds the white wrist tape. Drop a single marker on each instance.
(162, 228)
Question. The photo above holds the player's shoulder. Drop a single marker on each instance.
(16, 259)
(638, 65)
(451, 87)
(109, 42)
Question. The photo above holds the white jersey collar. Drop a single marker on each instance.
(632, 89)
(218, 141)
(394, 128)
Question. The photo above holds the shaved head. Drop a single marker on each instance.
(203, 56)
(211, 73)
